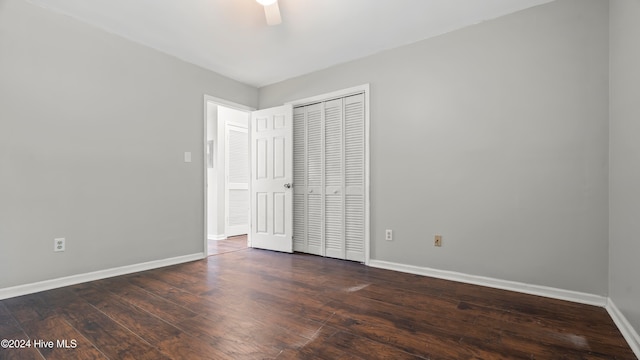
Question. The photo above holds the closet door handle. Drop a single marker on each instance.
(287, 186)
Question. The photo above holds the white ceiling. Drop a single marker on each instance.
(231, 37)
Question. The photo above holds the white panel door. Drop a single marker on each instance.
(271, 179)
(237, 180)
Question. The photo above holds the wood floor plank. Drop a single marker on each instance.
(110, 337)
(8, 325)
(234, 337)
(184, 346)
(571, 340)
(367, 349)
(230, 244)
(148, 327)
(255, 304)
(11, 330)
(161, 307)
(322, 347)
(442, 322)
(69, 343)
(384, 331)
(184, 281)
(29, 353)
(170, 340)
(29, 307)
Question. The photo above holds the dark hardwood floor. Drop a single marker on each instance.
(229, 244)
(254, 304)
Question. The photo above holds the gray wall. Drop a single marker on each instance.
(624, 249)
(92, 134)
(496, 137)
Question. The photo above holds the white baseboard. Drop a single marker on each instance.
(578, 297)
(216, 237)
(629, 333)
(95, 275)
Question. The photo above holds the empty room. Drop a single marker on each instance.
(283, 179)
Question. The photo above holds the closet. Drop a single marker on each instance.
(329, 178)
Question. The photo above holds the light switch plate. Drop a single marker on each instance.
(437, 240)
(187, 156)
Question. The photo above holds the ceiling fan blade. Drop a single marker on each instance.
(272, 12)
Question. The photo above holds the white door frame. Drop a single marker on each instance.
(221, 102)
(367, 129)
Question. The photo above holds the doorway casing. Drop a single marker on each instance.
(218, 152)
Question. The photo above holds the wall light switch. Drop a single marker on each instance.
(187, 156)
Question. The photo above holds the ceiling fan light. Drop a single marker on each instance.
(266, 2)
(272, 12)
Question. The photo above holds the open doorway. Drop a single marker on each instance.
(227, 175)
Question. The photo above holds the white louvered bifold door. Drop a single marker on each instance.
(354, 138)
(329, 178)
(334, 179)
(315, 233)
(299, 180)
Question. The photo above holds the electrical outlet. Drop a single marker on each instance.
(59, 244)
(388, 235)
(437, 240)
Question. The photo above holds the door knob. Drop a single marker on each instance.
(287, 186)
